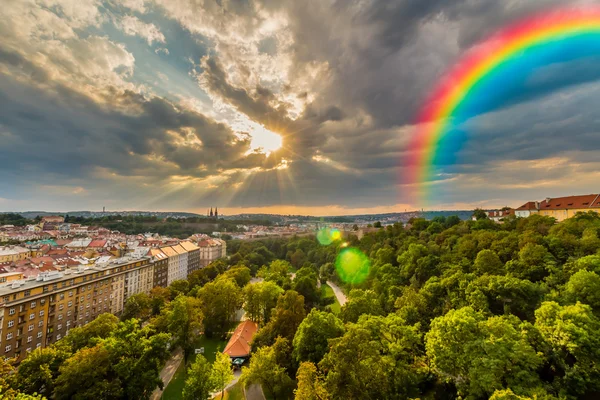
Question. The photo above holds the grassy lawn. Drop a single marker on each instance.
(211, 346)
(233, 393)
(328, 292)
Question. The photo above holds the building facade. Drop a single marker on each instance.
(37, 312)
(161, 267)
(193, 263)
(211, 250)
(562, 208)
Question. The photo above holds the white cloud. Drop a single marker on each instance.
(135, 5)
(133, 26)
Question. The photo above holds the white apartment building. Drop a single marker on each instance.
(173, 271)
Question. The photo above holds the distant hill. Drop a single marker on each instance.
(99, 214)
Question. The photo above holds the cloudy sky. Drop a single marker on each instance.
(280, 106)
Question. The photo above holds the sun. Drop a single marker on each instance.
(264, 139)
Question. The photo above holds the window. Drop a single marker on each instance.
(61, 306)
(11, 323)
(33, 304)
(69, 313)
(41, 313)
(11, 311)
(29, 339)
(87, 314)
(70, 304)
(39, 335)
(60, 316)
(43, 301)
(27, 293)
(62, 296)
(41, 323)
(7, 348)
(30, 328)
(59, 326)
(28, 350)
(68, 324)
(9, 336)
(37, 346)
(70, 293)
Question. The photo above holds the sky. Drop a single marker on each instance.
(271, 106)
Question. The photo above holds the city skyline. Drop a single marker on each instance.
(271, 107)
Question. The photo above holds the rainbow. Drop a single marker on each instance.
(533, 42)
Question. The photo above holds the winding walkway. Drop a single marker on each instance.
(341, 297)
(167, 372)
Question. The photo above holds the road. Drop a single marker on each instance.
(167, 372)
(341, 297)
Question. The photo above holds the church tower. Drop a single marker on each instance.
(211, 212)
(216, 213)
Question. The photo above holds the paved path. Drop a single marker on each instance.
(254, 392)
(236, 378)
(341, 297)
(168, 371)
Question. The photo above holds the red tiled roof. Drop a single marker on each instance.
(239, 344)
(570, 202)
(530, 205)
(97, 243)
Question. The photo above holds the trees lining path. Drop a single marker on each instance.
(341, 297)
(166, 374)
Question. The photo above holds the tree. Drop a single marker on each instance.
(137, 355)
(38, 372)
(488, 262)
(482, 355)
(288, 315)
(265, 371)
(354, 227)
(240, 274)
(311, 341)
(573, 334)
(306, 283)
(259, 300)
(377, 224)
(159, 296)
(89, 334)
(310, 383)
(199, 384)
(8, 383)
(83, 376)
(376, 357)
(219, 302)
(178, 287)
(221, 373)
(360, 302)
(479, 214)
(184, 322)
(138, 306)
(584, 286)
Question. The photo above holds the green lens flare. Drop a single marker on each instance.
(352, 265)
(324, 237)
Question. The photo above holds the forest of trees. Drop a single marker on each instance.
(450, 309)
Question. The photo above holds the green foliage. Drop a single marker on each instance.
(311, 341)
(265, 371)
(88, 335)
(259, 300)
(219, 302)
(137, 306)
(286, 318)
(360, 302)
(584, 286)
(38, 372)
(184, 319)
(221, 373)
(198, 384)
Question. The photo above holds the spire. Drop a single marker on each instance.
(216, 213)
(211, 212)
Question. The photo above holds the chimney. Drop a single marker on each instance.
(548, 200)
(537, 205)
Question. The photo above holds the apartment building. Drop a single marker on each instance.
(211, 250)
(183, 261)
(37, 312)
(173, 264)
(161, 267)
(561, 208)
(13, 253)
(193, 256)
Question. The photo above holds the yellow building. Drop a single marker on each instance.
(13, 253)
(37, 312)
(561, 208)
